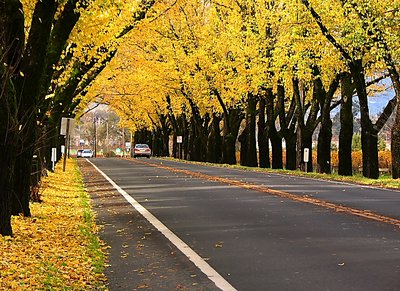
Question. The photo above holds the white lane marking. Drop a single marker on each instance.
(213, 275)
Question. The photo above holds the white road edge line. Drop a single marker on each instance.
(199, 262)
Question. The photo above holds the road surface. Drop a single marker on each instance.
(263, 231)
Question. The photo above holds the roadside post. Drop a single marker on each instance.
(66, 125)
(179, 140)
(53, 157)
(306, 158)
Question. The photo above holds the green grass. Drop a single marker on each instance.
(95, 247)
(384, 181)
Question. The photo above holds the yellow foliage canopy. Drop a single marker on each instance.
(191, 50)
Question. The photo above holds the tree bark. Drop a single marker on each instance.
(346, 127)
(369, 135)
(8, 141)
(232, 121)
(27, 86)
(7, 158)
(263, 144)
(274, 137)
(291, 151)
(244, 147)
(325, 133)
(248, 151)
(12, 40)
(306, 129)
(287, 120)
(214, 143)
(395, 146)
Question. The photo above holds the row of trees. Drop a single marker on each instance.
(197, 69)
(203, 68)
(50, 52)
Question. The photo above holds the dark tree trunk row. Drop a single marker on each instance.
(29, 69)
(11, 48)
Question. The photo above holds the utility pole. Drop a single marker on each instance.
(94, 136)
(66, 145)
(107, 138)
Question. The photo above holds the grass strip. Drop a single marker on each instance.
(384, 181)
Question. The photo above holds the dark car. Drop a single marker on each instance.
(141, 150)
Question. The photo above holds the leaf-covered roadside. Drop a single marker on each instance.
(57, 247)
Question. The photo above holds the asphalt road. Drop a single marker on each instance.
(262, 241)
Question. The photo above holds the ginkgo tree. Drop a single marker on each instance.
(363, 45)
(199, 68)
(52, 53)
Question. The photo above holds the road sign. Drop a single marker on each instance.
(53, 154)
(53, 157)
(65, 125)
(306, 156)
(179, 139)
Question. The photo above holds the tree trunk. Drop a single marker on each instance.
(251, 125)
(300, 128)
(232, 122)
(11, 46)
(8, 144)
(244, 147)
(395, 145)
(324, 147)
(304, 140)
(291, 151)
(156, 144)
(204, 133)
(198, 134)
(299, 149)
(214, 143)
(184, 130)
(306, 129)
(7, 158)
(325, 133)
(23, 170)
(287, 120)
(248, 151)
(346, 128)
(369, 136)
(192, 154)
(275, 138)
(27, 86)
(165, 132)
(263, 144)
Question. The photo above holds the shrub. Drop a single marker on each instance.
(109, 154)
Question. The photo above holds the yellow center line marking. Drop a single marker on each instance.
(305, 199)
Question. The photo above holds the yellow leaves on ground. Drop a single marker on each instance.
(52, 250)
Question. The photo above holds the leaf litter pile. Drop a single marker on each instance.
(57, 247)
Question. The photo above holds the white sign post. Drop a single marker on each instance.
(179, 140)
(53, 156)
(306, 157)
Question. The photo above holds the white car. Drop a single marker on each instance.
(87, 154)
(141, 150)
